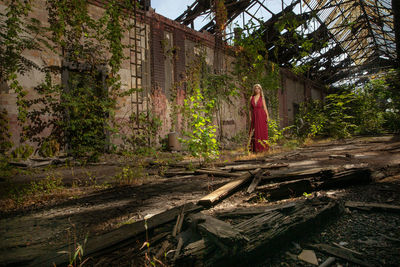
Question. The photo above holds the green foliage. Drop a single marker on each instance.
(369, 109)
(218, 87)
(49, 148)
(21, 192)
(137, 142)
(392, 101)
(47, 185)
(240, 138)
(87, 107)
(311, 119)
(201, 138)
(300, 69)
(22, 152)
(80, 113)
(5, 143)
(275, 134)
(130, 175)
(205, 93)
(252, 66)
(18, 34)
(331, 118)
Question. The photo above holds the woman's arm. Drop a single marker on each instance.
(265, 109)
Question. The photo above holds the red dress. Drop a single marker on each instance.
(259, 125)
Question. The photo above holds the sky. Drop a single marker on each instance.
(173, 8)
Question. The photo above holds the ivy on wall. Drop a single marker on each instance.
(79, 112)
(252, 66)
(17, 35)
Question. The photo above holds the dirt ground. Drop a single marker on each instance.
(31, 230)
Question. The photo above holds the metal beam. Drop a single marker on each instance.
(368, 23)
(396, 16)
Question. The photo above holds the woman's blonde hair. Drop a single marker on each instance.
(261, 90)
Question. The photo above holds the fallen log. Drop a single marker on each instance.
(285, 189)
(217, 173)
(372, 206)
(346, 156)
(200, 176)
(35, 163)
(341, 253)
(247, 167)
(171, 173)
(114, 239)
(254, 161)
(227, 189)
(266, 233)
(287, 175)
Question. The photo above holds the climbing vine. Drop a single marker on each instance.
(17, 35)
(252, 66)
(294, 41)
(80, 111)
(221, 15)
(205, 93)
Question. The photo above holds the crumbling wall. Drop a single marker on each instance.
(31, 79)
(295, 90)
(156, 65)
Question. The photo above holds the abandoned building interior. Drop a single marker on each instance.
(95, 94)
(350, 41)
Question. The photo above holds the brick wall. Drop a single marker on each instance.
(233, 118)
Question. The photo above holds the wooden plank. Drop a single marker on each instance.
(247, 167)
(217, 173)
(220, 232)
(171, 173)
(200, 176)
(266, 234)
(111, 240)
(249, 211)
(165, 245)
(287, 189)
(346, 178)
(372, 206)
(227, 189)
(329, 261)
(178, 248)
(323, 173)
(254, 183)
(341, 253)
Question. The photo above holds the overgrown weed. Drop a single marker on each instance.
(131, 175)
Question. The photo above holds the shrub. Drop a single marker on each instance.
(201, 138)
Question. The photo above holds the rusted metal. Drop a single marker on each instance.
(364, 29)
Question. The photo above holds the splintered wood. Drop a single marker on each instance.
(240, 236)
(225, 190)
(256, 237)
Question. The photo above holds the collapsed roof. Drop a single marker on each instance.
(350, 38)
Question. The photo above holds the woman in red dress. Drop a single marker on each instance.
(259, 119)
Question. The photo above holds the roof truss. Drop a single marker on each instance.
(358, 31)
